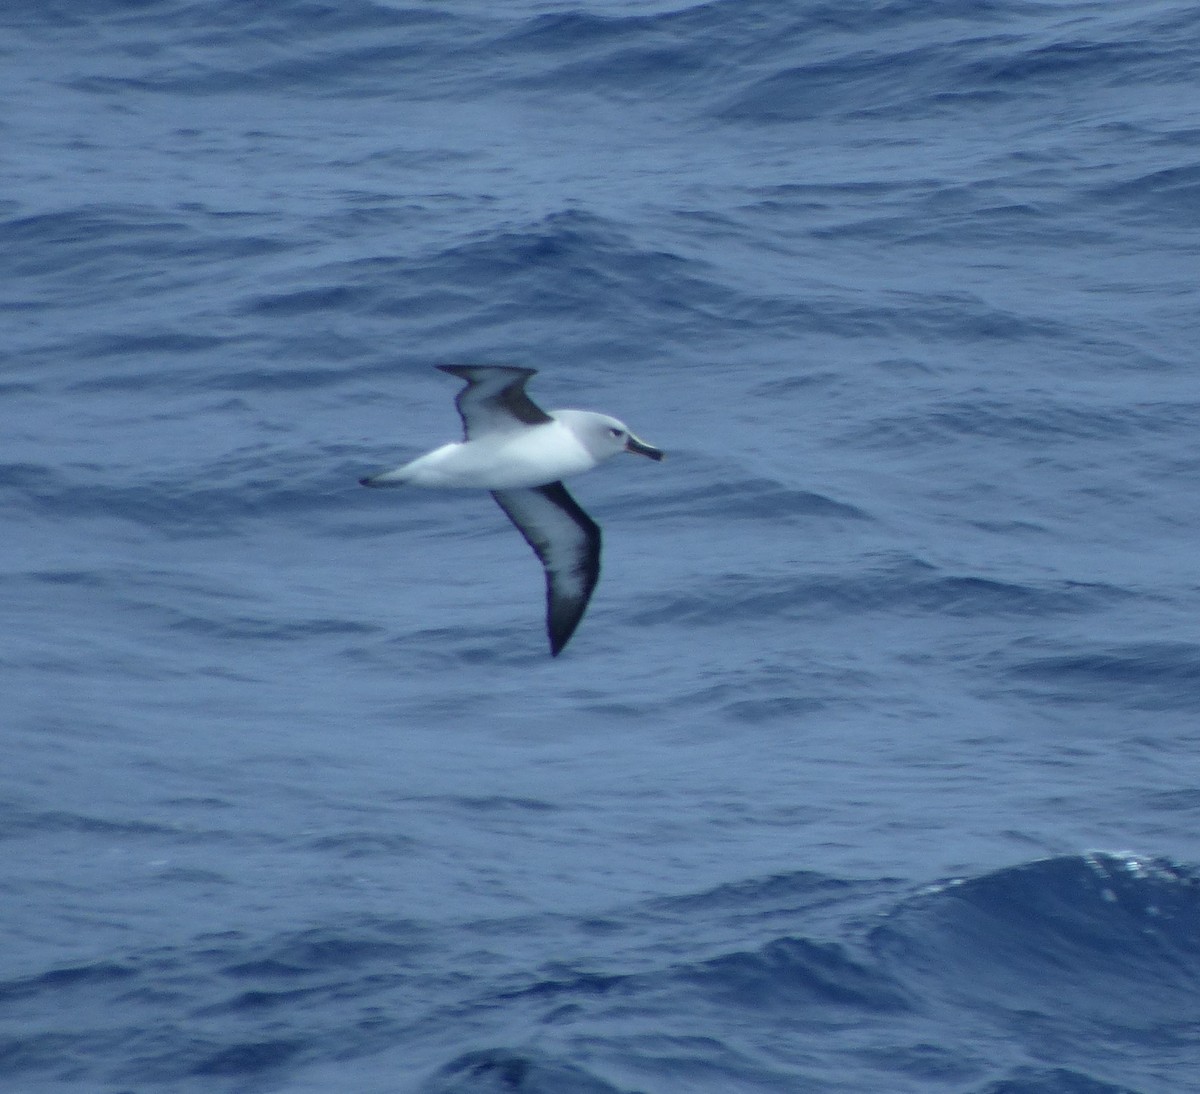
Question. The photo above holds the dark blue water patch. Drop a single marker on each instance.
(20, 821)
(1134, 676)
(496, 1070)
(914, 63)
(82, 242)
(791, 693)
(901, 586)
(929, 1063)
(249, 1057)
(259, 1001)
(78, 239)
(160, 1054)
(417, 54)
(85, 14)
(620, 58)
(1010, 942)
(23, 1055)
(566, 32)
(562, 982)
(317, 952)
(743, 499)
(1053, 1080)
(123, 225)
(116, 579)
(790, 708)
(791, 894)
(500, 803)
(172, 876)
(1169, 197)
(199, 1025)
(922, 317)
(571, 263)
(244, 495)
(1015, 211)
(697, 54)
(1088, 961)
(795, 973)
(58, 980)
(1174, 801)
(425, 649)
(692, 54)
(162, 507)
(312, 18)
(1026, 422)
(93, 254)
(266, 628)
(793, 198)
(25, 476)
(1042, 68)
(282, 371)
(1073, 62)
(312, 48)
(362, 845)
(965, 317)
(859, 83)
(153, 343)
(1075, 936)
(309, 301)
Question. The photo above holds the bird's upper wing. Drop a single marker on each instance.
(567, 541)
(494, 400)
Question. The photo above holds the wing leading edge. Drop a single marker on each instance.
(494, 400)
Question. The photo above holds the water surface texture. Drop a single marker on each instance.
(874, 764)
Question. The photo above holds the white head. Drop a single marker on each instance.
(603, 436)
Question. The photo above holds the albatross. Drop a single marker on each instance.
(521, 454)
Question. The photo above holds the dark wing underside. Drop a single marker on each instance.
(494, 400)
(567, 541)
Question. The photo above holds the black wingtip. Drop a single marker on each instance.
(364, 482)
(558, 640)
(559, 630)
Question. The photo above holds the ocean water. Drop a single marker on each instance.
(875, 763)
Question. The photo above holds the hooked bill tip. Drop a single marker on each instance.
(641, 448)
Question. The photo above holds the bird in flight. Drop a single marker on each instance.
(521, 453)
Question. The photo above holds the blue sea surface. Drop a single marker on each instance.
(875, 763)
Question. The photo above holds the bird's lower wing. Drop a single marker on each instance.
(567, 541)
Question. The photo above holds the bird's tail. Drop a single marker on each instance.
(399, 477)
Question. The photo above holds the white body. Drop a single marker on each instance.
(531, 455)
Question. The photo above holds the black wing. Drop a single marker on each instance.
(567, 541)
(494, 400)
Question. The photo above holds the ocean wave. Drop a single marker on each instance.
(1073, 936)
(496, 1070)
(1136, 676)
(1045, 948)
(900, 586)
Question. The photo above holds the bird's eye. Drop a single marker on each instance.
(617, 432)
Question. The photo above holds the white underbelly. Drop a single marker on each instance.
(532, 457)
